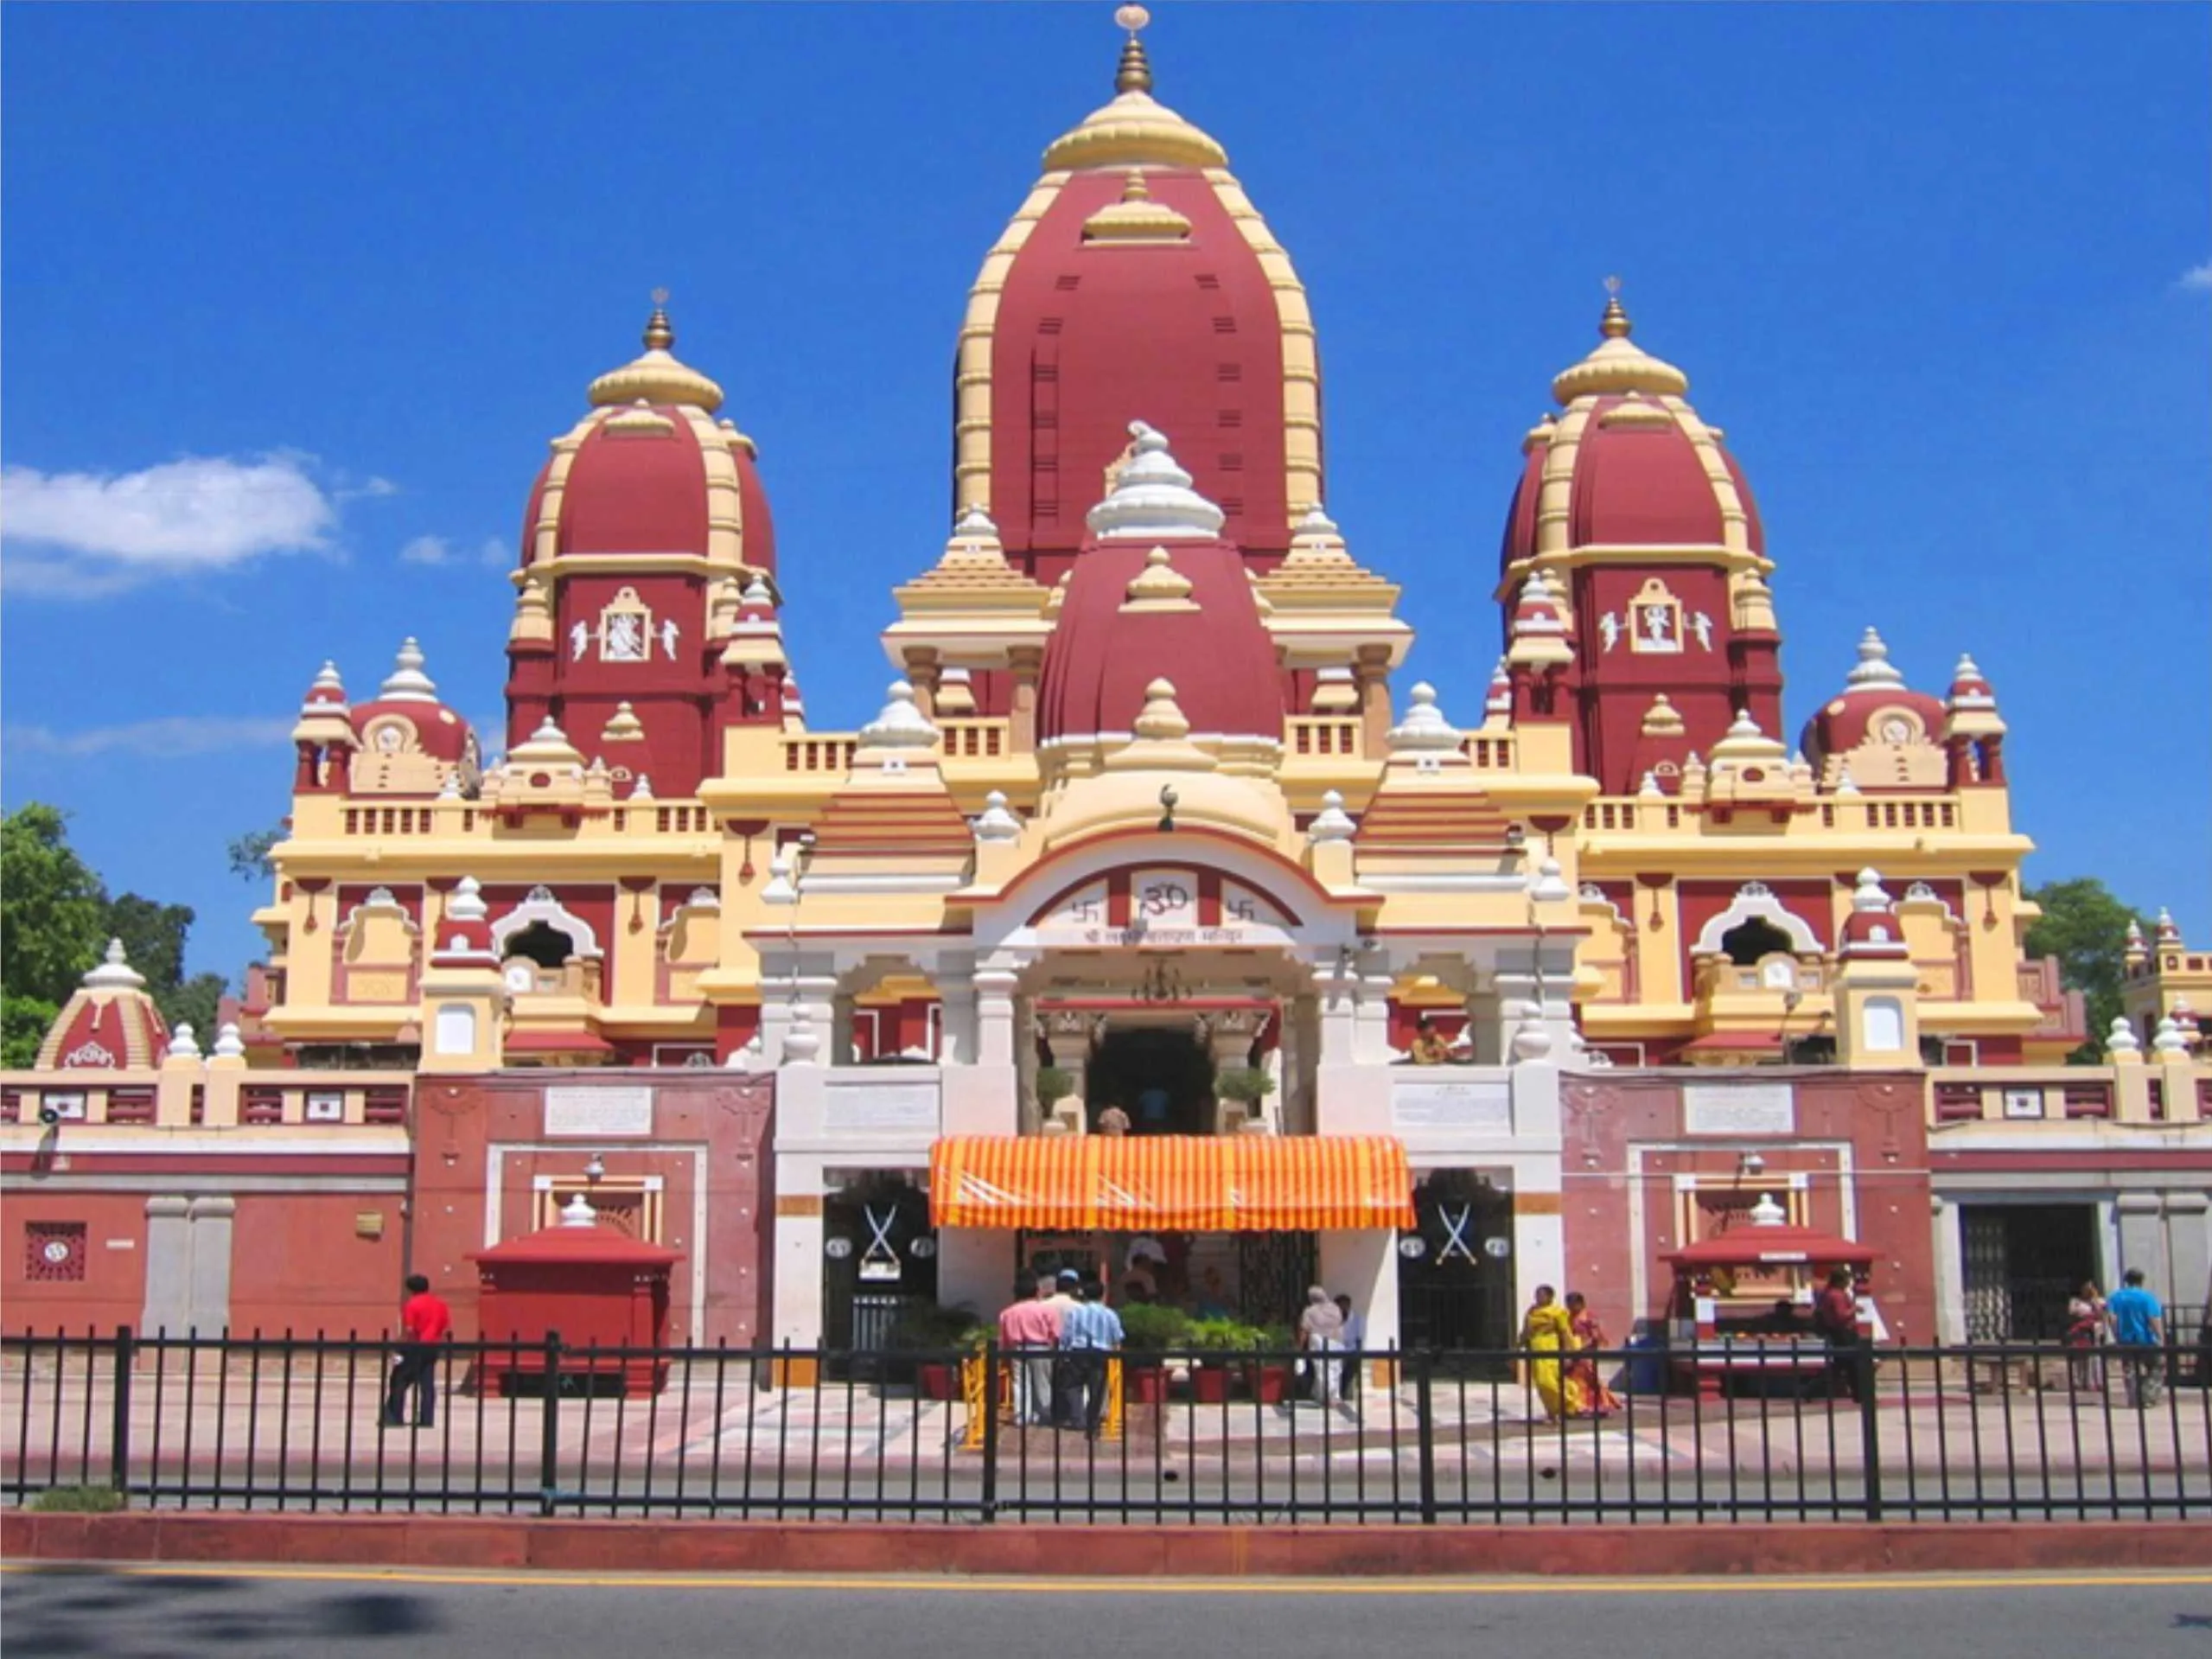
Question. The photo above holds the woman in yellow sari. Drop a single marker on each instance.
(1548, 1330)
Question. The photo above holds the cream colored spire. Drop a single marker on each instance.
(1134, 130)
(1874, 666)
(656, 376)
(1161, 737)
(1618, 364)
(1159, 585)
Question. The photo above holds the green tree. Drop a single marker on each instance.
(52, 908)
(153, 938)
(249, 854)
(2085, 929)
(56, 920)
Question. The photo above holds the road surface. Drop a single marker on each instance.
(240, 1613)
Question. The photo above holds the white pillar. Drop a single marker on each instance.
(168, 1267)
(210, 1281)
(1363, 1265)
(1950, 1273)
(975, 1269)
(797, 1291)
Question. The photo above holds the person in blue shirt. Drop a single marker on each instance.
(1089, 1333)
(2138, 1325)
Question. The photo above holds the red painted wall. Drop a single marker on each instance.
(1876, 1116)
(480, 1135)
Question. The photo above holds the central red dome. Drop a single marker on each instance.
(1105, 650)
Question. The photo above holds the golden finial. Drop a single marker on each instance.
(1135, 74)
(659, 335)
(1616, 324)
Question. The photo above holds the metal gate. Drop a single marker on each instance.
(2020, 1265)
(1273, 1273)
(1455, 1268)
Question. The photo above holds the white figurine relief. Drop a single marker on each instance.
(624, 640)
(1609, 626)
(579, 642)
(668, 635)
(1701, 625)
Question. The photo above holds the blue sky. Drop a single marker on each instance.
(1944, 273)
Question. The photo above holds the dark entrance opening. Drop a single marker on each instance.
(1161, 1076)
(879, 1264)
(1455, 1269)
(2021, 1264)
(1749, 942)
(545, 945)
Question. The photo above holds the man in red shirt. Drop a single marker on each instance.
(425, 1322)
(1029, 1334)
(1835, 1316)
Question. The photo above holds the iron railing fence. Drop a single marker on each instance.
(1747, 1430)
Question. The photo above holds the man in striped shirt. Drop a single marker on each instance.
(1089, 1332)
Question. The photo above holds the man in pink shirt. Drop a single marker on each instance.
(1029, 1334)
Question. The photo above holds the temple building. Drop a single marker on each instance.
(1157, 918)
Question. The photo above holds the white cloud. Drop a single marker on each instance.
(2198, 278)
(437, 549)
(80, 534)
(426, 550)
(172, 737)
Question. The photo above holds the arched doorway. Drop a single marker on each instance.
(1161, 1076)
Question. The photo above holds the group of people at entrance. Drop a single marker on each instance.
(2132, 1321)
(1060, 1340)
(1568, 1386)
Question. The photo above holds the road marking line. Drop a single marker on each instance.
(864, 1583)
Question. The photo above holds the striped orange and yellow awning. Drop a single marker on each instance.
(1230, 1183)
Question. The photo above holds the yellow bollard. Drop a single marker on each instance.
(1111, 1428)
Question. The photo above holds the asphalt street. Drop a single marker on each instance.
(59, 1613)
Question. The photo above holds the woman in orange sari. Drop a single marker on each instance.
(1587, 1395)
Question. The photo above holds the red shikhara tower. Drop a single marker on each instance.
(1138, 282)
(646, 536)
(1632, 501)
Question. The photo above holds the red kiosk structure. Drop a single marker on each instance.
(605, 1294)
(1740, 1311)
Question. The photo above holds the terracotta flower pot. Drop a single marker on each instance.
(1144, 1385)
(938, 1382)
(1209, 1384)
(1270, 1384)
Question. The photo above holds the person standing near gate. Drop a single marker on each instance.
(1088, 1336)
(1835, 1318)
(1354, 1338)
(1028, 1332)
(2139, 1330)
(425, 1322)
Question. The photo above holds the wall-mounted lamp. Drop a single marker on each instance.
(1751, 1164)
(1168, 798)
(595, 1170)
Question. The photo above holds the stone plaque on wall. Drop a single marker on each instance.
(881, 1108)
(582, 1113)
(1431, 1102)
(1739, 1109)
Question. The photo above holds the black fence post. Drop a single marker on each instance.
(1870, 1428)
(1425, 1417)
(990, 1409)
(119, 1424)
(549, 1428)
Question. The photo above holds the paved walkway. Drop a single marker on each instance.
(235, 1430)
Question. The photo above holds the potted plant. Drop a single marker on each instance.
(1148, 1333)
(1270, 1373)
(1053, 1085)
(934, 1336)
(1247, 1085)
(1215, 1341)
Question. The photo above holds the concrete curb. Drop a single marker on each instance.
(818, 1547)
